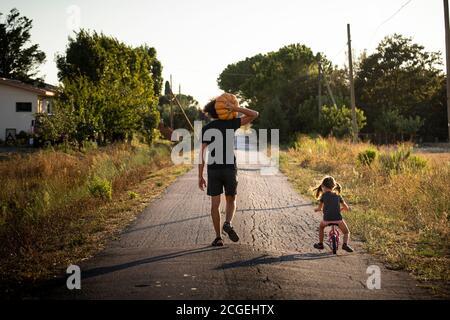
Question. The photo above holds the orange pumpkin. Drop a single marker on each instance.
(221, 106)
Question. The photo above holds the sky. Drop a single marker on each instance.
(197, 39)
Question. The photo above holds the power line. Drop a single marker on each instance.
(343, 48)
(339, 52)
(376, 30)
(389, 19)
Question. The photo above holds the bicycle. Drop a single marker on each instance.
(333, 237)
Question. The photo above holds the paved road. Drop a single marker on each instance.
(165, 253)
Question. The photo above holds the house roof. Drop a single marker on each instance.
(48, 91)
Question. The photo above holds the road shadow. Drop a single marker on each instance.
(90, 273)
(131, 230)
(267, 259)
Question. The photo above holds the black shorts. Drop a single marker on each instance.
(220, 179)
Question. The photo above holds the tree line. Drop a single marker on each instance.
(400, 92)
(19, 59)
(108, 92)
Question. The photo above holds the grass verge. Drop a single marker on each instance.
(400, 200)
(58, 208)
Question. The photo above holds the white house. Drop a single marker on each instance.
(19, 102)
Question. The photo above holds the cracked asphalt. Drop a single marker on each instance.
(165, 253)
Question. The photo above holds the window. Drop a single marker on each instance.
(10, 135)
(49, 107)
(23, 106)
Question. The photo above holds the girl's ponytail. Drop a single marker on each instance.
(338, 188)
(318, 190)
(327, 182)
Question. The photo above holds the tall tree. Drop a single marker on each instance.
(401, 76)
(111, 87)
(18, 58)
(273, 117)
(291, 75)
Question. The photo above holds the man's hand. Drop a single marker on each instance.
(231, 107)
(317, 210)
(201, 183)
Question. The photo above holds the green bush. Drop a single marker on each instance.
(416, 163)
(401, 160)
(22, 138)
(338, 121)
(55, 128)
(367, 157)
(391, 122)
(393, 161)
(133, 195)
(101, 188)
(88, 146)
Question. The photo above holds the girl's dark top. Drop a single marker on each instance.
(331, 206)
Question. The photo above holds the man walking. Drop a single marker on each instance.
(218, 139)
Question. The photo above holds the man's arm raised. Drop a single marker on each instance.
(249, 114)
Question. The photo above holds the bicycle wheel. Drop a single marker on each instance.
(334, 244)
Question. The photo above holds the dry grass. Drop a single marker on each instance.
(403, 216)
(48, 216)
(436, 158)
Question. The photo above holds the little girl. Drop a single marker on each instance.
(330, 202)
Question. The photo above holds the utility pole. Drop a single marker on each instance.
(319, 79)
(171, 107)
(352, 86)
(447, 47)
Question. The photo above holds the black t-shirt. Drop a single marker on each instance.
(331, 206)
(219, 128)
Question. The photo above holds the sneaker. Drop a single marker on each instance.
(230, 231)
(347, 248)
(319, 246)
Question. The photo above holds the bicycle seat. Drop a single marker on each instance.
(333, 224)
